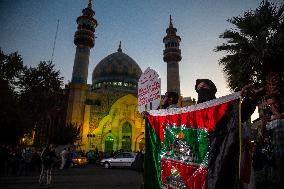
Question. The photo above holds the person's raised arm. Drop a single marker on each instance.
(251, 95)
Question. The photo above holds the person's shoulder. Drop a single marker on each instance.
(173, 106)
(274, 123)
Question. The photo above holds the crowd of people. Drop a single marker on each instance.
(26, 161)
(18, 161)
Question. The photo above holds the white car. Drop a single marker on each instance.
(124, 159)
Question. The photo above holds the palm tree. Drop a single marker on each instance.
(255, 49)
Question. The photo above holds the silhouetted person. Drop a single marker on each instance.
(275, 129)
(48, 157)
(170, 100)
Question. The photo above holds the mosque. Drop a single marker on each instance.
(107, 109)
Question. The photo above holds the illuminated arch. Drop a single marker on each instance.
(123, 111)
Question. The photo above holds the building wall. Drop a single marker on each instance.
(76, 103)
(109, 124)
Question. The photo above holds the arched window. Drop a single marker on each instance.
(126, 136)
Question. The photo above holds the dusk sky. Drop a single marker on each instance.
(29, 27)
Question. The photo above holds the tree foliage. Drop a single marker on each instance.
(11, 67)
(27, 96)
(254, 47)
(65, 134)
(41, 89)
(13, 119)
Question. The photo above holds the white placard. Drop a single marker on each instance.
(149, 90)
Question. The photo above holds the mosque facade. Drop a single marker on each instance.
(107, 110)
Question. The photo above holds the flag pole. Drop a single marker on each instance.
(240, 143)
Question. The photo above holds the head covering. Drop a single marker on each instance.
(173, 95)
(167, 103)
(208, 82)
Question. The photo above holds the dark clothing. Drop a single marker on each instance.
(208, 82)
(48, 158)
(247, 108)
(205, 93)
(139, 162)
(276, 129)
(4, 160)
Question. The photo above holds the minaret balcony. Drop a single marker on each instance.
(171, 37)
(172, 57)
(172, 50)
(84, 40)
(85, 18)
(84, 32)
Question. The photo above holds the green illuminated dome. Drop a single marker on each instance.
(116, 70)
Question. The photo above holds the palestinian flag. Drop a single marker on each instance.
(194, 147)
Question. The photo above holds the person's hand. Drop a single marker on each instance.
(250, 91)
(144, 114)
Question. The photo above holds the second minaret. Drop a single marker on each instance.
(172, 56)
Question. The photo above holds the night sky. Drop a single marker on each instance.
(29, 27)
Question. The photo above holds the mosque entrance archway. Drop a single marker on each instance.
(126, 136)
(109, 144)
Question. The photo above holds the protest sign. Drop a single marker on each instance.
(149, 90)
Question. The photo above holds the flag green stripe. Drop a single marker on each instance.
(195, 140)
(152, 159)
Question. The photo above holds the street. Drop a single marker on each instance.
(90, 176)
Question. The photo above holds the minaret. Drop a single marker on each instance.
(84, 39)
(172, 56)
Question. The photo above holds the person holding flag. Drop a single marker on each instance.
(196, 146)
(206, 90)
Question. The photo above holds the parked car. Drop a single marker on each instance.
(78, 160)
(123, 159)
